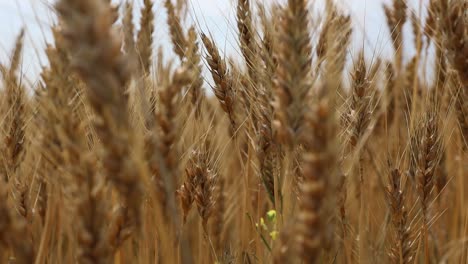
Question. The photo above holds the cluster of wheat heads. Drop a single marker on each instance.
(120, 156)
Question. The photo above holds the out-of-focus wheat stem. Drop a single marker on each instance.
(319, 163)
(292, 80)
(97, 58)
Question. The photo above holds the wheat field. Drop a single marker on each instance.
(297, 151)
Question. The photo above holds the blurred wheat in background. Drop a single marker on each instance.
(298, 151)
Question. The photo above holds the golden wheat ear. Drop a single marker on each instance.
(128, 29)
(396, 18)
(15, 140)
(193, 64)
(224, 87)
(144, 44)
(428, 155)
(14, 191)
(178, 38)
(403, 250)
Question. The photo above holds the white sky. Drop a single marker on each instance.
(215, 16)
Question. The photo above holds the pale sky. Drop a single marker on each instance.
(214, 16)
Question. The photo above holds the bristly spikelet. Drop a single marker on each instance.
(267, 152)
(15, 119)
(178, 38)
(266, 146)
(199, 187)
(249, 88)
(428, 150)
(409, 78)
(396, 18)
(329, 31)
(128, 28)
(224, 87)
(333, 44)
(193, 64)
(428, 154)
(334, 40)
(248, 43)
(145, 37)
(14, 232)
(204, 197)
(292, 80)
(389, 93)
(269, 67)
(15, 123)
(359, 115)
(359, 118)
(187, 190)
(403, 250)
(341, 43)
